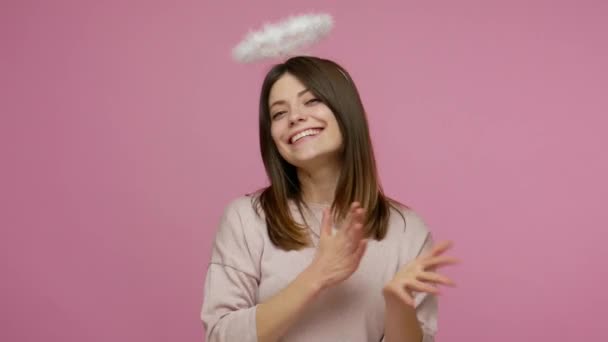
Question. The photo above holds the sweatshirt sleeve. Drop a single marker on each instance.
(417, 239)
(427, 304)
(230, 291)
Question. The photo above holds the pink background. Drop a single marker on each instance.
(126, 128)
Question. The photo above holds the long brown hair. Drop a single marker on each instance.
(358, 180)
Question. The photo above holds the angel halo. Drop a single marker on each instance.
(283, 38)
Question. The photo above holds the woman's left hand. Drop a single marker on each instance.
(420, 275)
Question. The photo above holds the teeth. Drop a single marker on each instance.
(304, 134)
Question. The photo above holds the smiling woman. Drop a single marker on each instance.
(321, 254)
(308, 92)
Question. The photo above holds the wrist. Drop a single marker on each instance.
(394, 305)
(393, 296)
(389, 295)
(312, 281)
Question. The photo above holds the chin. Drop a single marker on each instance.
(307, 160)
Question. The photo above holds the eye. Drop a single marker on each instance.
(312, 101)
(277, 115)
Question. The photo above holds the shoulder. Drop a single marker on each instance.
(241, 219)
(409, 228)
(409, 220)
(244, 208)
(239, 239)
(415, 224)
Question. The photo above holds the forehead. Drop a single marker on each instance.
(285, 87)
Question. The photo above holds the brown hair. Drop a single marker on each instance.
(359, 177)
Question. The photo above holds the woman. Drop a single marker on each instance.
(321, 254)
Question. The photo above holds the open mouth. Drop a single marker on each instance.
(305, 135)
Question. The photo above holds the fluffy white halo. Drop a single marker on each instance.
(283, 38)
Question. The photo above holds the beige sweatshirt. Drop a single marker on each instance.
(247, 269)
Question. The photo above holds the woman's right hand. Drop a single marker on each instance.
(338, 255)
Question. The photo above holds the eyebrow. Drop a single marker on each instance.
(284, 102)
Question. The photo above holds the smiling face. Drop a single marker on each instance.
(303, 128)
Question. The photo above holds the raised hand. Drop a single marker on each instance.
(420, 275)
(338, 255)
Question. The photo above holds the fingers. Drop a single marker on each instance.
(439, 261)
(355, 230)
(358, 215)
(354, 233)
(348, 220)
(419, 286)
(419, 275)
(354, 227)
(326, 223)
(439, 248)
(406, 298)
(361, 248)
(436, 278)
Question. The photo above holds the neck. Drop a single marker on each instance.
(319, 185)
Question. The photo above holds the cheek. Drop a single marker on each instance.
(275, 133)
(335, 128)
(337, 136)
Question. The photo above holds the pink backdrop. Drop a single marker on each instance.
(126, 129)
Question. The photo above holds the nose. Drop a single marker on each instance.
(296, 116)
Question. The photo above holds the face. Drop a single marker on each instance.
(303, 128)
